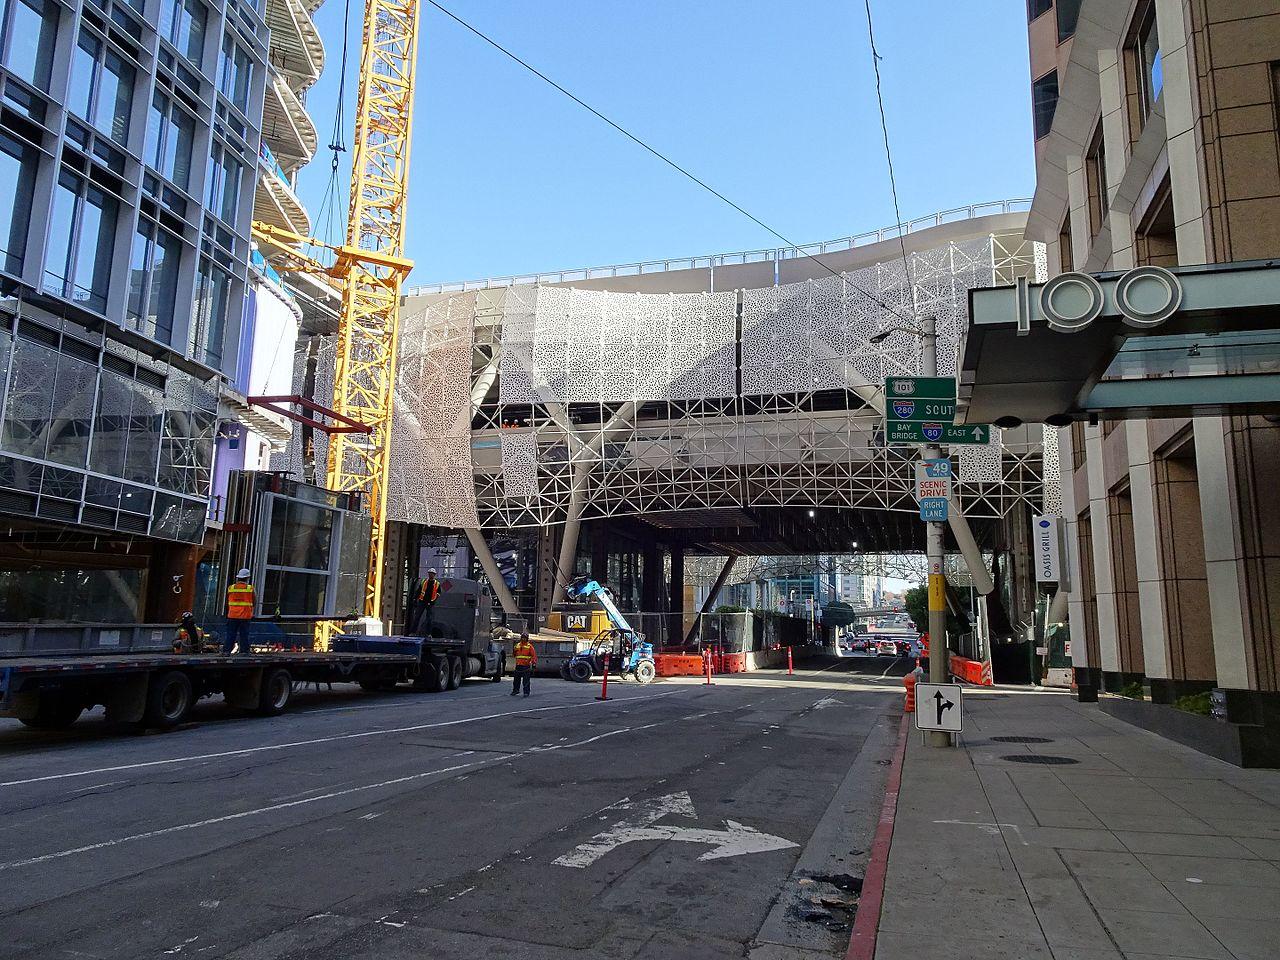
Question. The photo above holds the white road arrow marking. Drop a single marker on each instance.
(735, 840)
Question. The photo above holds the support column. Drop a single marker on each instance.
(1146, 537)
(709, 603)
(498, 585)
(675, 630)
(1103, 575)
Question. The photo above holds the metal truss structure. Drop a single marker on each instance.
(532, 405)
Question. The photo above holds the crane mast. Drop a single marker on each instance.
(364, 374)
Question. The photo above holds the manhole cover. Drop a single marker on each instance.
(1044, 758)
(1022, 739)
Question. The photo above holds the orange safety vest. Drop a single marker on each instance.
(526, 655)
(434, 591)
(240, 601)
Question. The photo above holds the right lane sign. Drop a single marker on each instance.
(938, 707)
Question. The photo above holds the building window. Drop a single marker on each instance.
(1148, 62)
(81, 241)
(209, 315)
(1068, 17)
(182, 23)
(30, 29)
(235, 74)
(1036, 8)
(154, 265)
(1095, 171)
(1044, 101)
(18, 169)
(102, 87)
(171, 133)
(226, 174)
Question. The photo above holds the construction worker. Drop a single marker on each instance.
(526, 660)
(240, 598)
(425, 598)
(188, 639)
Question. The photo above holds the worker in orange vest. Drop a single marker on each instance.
(240, 599)
(526, 660)
(424, 599)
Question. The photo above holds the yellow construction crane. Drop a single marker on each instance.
(370, 267)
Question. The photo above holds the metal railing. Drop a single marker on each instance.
(773, 255)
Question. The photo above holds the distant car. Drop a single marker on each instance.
(860, 643)
(886, 648)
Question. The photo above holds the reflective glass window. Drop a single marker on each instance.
(182, 23)
(28, 410)
(18, 170)
(32, 27)
(72, 411)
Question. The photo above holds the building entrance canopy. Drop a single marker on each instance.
(1148, 342)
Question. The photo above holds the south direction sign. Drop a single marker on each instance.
(935, 431)
(938, 707)
(920, 388)
(904, 410)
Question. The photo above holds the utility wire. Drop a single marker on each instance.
(888, 154)
(662, 156)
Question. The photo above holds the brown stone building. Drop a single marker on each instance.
(1158, 144)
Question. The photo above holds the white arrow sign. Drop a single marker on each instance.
(734, 841)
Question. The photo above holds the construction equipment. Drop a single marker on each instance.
(370, 267)
(627, 651)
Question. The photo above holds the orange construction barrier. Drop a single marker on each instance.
(909, 681)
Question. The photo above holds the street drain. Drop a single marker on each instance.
(1046, 759)
(1023, 739)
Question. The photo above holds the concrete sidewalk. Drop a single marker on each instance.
(1140, 848)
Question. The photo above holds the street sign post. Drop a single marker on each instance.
(936, 431)
(938, 707)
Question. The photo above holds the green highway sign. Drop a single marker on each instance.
(920, 388)
(902, 410)
(935, 431)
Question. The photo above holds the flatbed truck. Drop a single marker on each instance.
(159, 689)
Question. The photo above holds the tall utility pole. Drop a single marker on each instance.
(934, 533)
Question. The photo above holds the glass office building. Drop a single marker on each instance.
(129, 151)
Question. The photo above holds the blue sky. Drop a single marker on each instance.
(773, 103)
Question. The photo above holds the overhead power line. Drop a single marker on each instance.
(662, 156)
(888, 154)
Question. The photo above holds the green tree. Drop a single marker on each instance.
(917, 604)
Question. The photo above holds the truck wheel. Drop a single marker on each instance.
(455, 673)
(645, 671)
(580, 670)
(434, 675)
(54, 712)
(275, 693)
(169, 700)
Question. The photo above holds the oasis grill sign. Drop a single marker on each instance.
(1046, 549)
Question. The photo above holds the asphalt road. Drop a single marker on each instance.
(673, 821)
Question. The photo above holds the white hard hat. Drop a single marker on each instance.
(243, 574)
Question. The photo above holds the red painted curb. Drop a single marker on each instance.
(862, 942)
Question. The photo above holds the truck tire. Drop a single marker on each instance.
(434, 675)
(580, 671)
(170, 698)
(275, 693)
(54, 712)
(455, 673)
(645, 671)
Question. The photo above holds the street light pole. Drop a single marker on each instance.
(933, 551)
